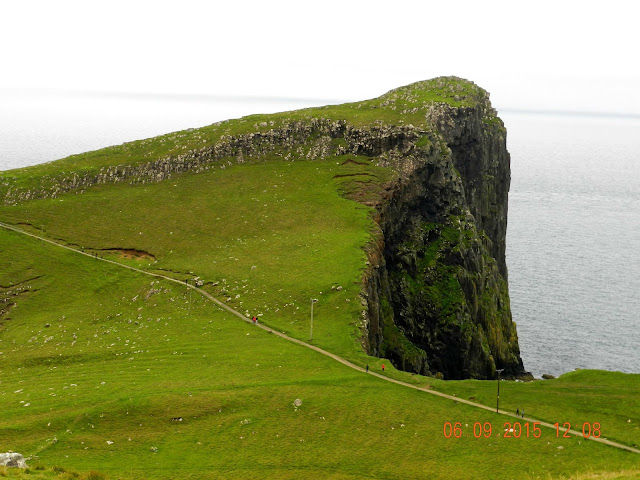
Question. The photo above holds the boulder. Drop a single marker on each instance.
(12, 459)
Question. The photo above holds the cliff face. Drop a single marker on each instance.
(435, 293)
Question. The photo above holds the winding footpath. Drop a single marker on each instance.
(315, 348)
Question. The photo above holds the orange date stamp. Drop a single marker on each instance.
(518, 430)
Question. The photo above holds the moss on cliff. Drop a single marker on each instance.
(402, 352)
(451, 302)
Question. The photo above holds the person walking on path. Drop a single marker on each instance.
(254, 319)
(517, 412)
(367, 368)
(383, 367)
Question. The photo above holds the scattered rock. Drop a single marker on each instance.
(151, 292)
(548, 376)
(12, 459)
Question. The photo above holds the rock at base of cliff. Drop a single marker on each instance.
(11, 459)
(548, 376)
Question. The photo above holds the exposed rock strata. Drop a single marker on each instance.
(310, 139)
(436, 292)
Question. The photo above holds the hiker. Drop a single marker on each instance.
(367, 368)
(517, 412)
(254, 319)
(522, 412)
(383, 367)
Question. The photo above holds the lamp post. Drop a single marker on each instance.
(186, 282)
(313, 300)
(498, 371)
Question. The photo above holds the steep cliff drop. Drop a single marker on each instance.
(436, 290)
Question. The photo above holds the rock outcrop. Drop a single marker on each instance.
(12, 459)
(308, 139)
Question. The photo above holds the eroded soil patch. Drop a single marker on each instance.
(10, 294)
(129, 253)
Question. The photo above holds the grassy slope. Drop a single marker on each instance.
(608, 398)
(290, 222)
(101, 378)
(272, 234)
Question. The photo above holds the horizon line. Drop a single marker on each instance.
(208, 97)
(176, 96)
(570, 113)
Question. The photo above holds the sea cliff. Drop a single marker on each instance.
(434, 291)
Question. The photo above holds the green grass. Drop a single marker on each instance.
(271, 235)
(46, 473)
(118, 368)
(92, 353)
(585, 396)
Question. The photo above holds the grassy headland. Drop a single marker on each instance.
(98, 364)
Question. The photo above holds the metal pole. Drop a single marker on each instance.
(498, 397)
(311, 334)
(186, 283)
(313, 300)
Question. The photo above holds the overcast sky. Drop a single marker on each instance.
(558, 55)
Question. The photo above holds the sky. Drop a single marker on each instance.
(542, 55)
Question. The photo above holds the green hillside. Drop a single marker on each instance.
(95, 354)
(267, 237)
(104, 368)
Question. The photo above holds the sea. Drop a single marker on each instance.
(573, 237)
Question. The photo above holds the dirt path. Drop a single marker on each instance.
(317, 349)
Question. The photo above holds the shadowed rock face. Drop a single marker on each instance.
(436, 292)
(12, 460)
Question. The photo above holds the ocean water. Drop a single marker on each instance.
(573, 240)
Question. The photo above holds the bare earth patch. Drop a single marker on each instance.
(130, 253)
